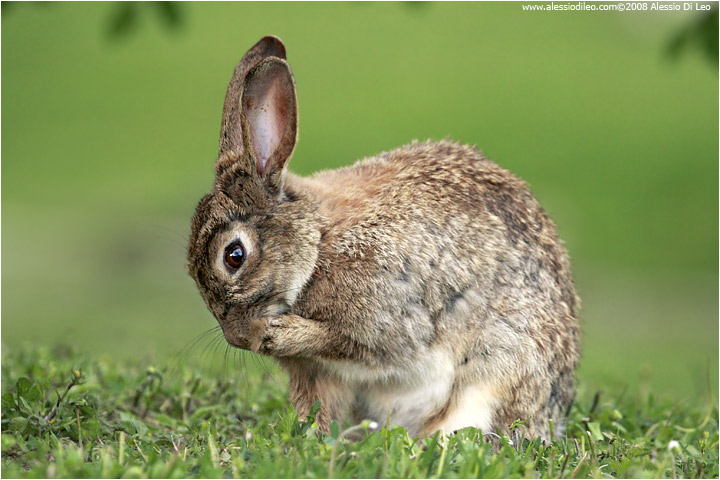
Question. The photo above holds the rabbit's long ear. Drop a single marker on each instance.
(231, 137)
(269, 113)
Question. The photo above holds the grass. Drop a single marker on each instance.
(64, 415)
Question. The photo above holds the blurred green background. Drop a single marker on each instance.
(111, 113)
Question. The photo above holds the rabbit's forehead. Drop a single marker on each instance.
(214, 213)
(211, 216)
(235, 231)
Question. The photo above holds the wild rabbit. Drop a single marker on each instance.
(425, 285)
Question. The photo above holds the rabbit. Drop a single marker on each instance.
(424, 287)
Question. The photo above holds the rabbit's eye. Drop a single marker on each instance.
(234, 256)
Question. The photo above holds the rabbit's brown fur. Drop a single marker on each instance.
(425, 284)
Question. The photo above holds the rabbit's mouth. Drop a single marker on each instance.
(235, 335)
(243, 326)
(235, 327)
(238, 342)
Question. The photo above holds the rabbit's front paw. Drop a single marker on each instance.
(274, 336)
(287, 336)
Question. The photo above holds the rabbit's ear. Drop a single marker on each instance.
(269, 110)
(231, 138)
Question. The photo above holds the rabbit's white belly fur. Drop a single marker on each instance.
(409, 395)
(475, 407)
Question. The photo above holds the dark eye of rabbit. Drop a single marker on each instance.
(234, 256)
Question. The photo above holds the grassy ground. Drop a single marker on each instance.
(68, 416)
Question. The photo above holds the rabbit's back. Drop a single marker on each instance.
(442, 216)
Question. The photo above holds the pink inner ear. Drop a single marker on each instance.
(266, 118)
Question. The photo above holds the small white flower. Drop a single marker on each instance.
(373, 425)
(673, 445)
